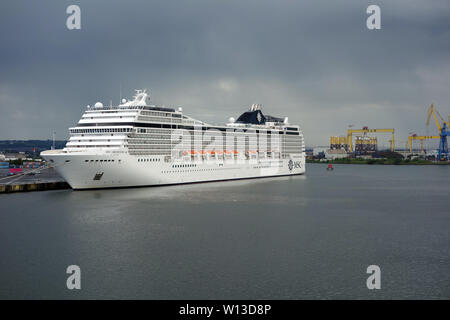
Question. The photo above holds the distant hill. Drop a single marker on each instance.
(29, 145)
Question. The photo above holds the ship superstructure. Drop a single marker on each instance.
(139, 144)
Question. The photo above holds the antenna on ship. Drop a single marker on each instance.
(53, 146)
(120, 90)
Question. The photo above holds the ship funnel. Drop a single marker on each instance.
(255, 106)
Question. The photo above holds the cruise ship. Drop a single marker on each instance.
(139, 144)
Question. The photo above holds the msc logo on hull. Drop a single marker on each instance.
(294, 165)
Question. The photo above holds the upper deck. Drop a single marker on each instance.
(138, 113)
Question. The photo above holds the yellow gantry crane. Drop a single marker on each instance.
(366, 130)
(431, 112)
(422, 138)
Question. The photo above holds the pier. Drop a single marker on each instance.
(42, 186)
(41, 179)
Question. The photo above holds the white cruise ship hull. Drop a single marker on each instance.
(94, 171)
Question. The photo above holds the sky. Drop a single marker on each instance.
(314, 61)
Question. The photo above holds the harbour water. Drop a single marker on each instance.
(303, 237)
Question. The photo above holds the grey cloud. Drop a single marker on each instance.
(314, 61)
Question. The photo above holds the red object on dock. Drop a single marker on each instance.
(15, 170)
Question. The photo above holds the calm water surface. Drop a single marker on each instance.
(306, 237)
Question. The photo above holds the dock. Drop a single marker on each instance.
(29, 180)
(43, 186)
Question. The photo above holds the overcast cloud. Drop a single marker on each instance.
(314, 61)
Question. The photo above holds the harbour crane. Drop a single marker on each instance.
(421, 138)
(444, 132)
(434, 112)
(366, 130)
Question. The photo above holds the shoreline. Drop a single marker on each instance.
(382, 162)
